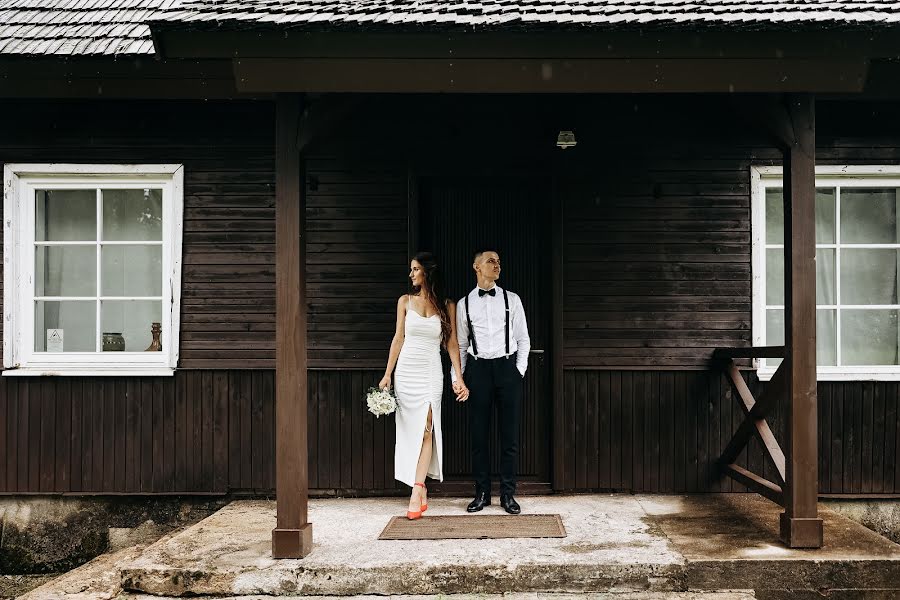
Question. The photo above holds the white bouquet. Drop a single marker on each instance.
(381, 402)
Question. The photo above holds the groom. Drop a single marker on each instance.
(493, 348)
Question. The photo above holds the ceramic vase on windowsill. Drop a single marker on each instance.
(113, 342)
(156, 344)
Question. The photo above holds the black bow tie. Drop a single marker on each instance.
(490, 292)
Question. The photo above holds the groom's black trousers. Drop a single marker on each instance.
(494, 380)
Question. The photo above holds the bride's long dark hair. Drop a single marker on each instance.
(434, 291)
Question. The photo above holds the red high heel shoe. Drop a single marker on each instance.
(412, 516)
(424, 506)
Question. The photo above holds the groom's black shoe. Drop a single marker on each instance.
(481, 500)
(509, 504)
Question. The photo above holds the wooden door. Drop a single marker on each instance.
(456, 217)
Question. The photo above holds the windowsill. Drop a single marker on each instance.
(86, 372)
(862, 374)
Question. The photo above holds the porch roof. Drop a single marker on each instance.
(122, 27)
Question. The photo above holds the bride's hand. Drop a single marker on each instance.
(462, 392)
(384, 383)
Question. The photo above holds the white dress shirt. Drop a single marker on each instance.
(488, 320)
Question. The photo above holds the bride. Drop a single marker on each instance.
(426, 320)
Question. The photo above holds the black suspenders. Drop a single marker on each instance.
(506, 302)
(472, 331)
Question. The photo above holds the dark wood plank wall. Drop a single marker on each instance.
(657, 261)
(661, 297)
(356, 223)
(228, 286)
(228, 275)
(662, 431)
(657, 233)
(656, 241)
(212, 432)
(197, 432)
(201, 431)
(181, 435)
(356, 258)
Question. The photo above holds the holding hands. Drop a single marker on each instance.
(461, 391)
(459, 388)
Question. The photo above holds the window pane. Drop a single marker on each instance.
(65, 215)
(74, 322)
(826, 337)
(868, 276)
(774, 216)
(869, 337)
(131, 270)
(774, 276)
(825, 215)
(65, 271)
(132, 215)
(825, 281)
(869, 216)
(132, 319)
(774, 333)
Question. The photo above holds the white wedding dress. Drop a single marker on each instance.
(418, 383)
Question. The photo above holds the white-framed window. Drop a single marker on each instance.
(857, 270)
(92, 269)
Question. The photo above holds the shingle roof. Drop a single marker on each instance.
(79, 27)
(117, 27)
(505, 13)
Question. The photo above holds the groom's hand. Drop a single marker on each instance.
(461, 391)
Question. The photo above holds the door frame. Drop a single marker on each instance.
(414, 180)
(557, 465)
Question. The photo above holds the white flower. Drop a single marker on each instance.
(381, 402)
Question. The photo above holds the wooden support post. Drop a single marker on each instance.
(801, 526)
(292, 536)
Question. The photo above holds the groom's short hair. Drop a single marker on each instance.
(481, 251)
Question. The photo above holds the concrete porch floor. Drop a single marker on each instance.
(615, 543)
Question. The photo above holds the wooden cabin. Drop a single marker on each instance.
(254, 179)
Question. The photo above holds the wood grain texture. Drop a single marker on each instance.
(674, 454)
(513, 217)
(655, 234)
(801, 443)
(653, 274)
(290, 415)
(362, 461)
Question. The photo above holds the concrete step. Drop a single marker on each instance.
(720, 595)
(615, 544)
(98, 579)
(608, 548)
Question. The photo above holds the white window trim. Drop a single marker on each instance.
(18, 357)
(760, 179)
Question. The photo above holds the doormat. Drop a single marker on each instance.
(474, 527)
